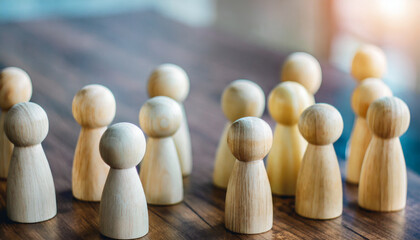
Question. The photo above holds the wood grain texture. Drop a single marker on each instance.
(160, 171)
(284, 160)
(241, 98)
(224, 161)
(172, 81)
(359, 142)
(383, 178)
(93, 107)
(160, 174)
(319, 191)
(15, 87)
(285, 104)
(30, 186)
(63, 55)
(123, 208)
(6, 148)
(249, 205)
(89, 171)
(364, 94)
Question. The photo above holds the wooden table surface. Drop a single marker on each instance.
(62, 56)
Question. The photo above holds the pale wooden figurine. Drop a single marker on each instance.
(319, 193)
(365, 93)
(123, 208)
(285, 103)
(249, 206)
(30, 187)
(15, 87)
(302, 68)
(241, 98)
(172, 81)
(160, 171)
(383, 180)
(368, 62)
(94, 109)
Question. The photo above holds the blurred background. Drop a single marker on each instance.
(329, 30)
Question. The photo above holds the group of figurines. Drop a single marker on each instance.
(301, 159)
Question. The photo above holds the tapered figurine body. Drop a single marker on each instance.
(302, 68)
(123, 208)
(249, 206)
(15, 87)
(319, 193)
(30, 187)
(241, 98)
(172, 81)
(160, 171)
(383, 180)
(365, 93)
(285, 104)
(368, 62)
(94, 109)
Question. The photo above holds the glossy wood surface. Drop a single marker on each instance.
(62, 56)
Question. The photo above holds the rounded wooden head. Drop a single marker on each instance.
(15, 87)
(243, 98)
(94, 106)
(287, 101)
(368, 62)
(249, 139)
(122, 145)
(169, 80)
(388, 117)
(303, 68)
(321, 124)
(160, 117)
(26, 124)
(366, 92)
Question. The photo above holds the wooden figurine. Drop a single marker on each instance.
(302, 68)
(123, 208)
(365, 93)
(94, 109)
(285, 103)
(383, 180)
(172, 81)
(249, 206)
(160, 172)
(368, 62)
(15, 87)
(30, 194)
(241, 98)
(319, 193)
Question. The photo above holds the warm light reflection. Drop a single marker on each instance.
(392, 8)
